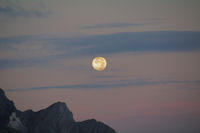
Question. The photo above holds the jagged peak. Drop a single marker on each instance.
(58, 105)
(57, 118)
(2, 91)
(4, 99)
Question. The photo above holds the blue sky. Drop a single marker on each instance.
(152, 48)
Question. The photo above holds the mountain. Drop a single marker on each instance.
(57, 118)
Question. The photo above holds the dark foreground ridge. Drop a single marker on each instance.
(57, 118)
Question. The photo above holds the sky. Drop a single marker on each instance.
(152, 47)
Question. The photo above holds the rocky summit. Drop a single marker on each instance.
(56, 118)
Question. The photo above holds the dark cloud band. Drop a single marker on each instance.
(162, 41)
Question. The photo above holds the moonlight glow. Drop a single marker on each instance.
(99, 63)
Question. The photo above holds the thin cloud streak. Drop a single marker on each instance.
(107, 85)
(114, 25)
(18, 11)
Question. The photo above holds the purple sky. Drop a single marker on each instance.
(152, 47)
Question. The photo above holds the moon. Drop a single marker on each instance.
(99, 63)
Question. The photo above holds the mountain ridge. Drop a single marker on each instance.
(56, 118)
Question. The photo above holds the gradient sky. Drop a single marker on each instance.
(151, 84)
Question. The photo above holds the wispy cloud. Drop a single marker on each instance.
(16, 10)
(155, 19)
(113, 25)
(142, 42)
(109, 85)
(161, 41)
(26, 50)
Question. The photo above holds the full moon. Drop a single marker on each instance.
(99, 63)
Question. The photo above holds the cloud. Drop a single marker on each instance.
(156, 19)
(161, 41)
(113, 25)
(26, 47)
(142, 42)
(16, 10)
(26, 50)
(21, 63)
(109, 85)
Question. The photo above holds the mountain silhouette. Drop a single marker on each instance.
(57, 118)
